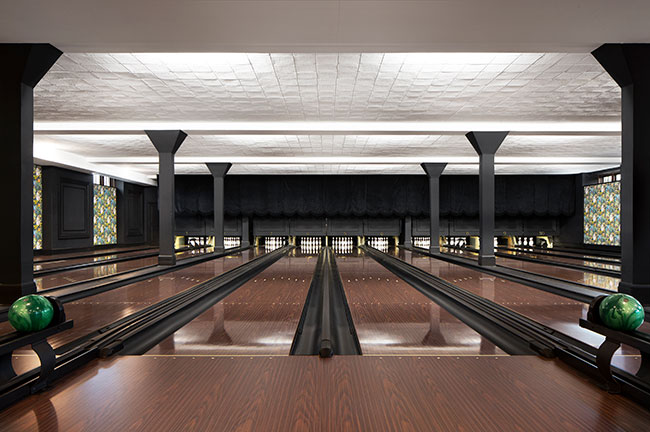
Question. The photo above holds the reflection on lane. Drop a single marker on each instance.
(96, 311)
(259, 318)
(392, 318)
(557, 312)
(548, 269)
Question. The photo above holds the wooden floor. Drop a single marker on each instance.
(154, 393)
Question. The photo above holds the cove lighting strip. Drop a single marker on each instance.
(332, 128)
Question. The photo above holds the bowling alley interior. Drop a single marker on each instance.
(325, 215)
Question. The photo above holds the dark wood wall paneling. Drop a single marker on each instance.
(130, 213)
(67, 209)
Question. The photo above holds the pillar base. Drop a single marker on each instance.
(9, 293)
(487, 260)
(167, 260)
(245, 244)
(434, 249)
(639, 292)
(218, 249)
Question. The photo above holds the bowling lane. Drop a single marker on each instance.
(259, 318)
(93, 312)
(559, 313)
(564, 260)
(64, 262)
(89, 273)
(392, 318)
(583, 253)
(121, 250)
(548, 269)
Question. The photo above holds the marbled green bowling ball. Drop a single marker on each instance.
(31, 313)
(621, 312)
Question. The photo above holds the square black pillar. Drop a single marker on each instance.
(434, 171)
(629, 66)
(167, 142)
(408, 231)
(486, 145)
(245, 232)
(219, 171)
(23, 66)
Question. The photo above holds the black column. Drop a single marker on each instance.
(434, 170)
(408, 231)
(219, 171)
(245, 232)
(486, 145)
(23, 66)
(167, 142)
(629, 66)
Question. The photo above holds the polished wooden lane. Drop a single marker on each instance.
(548, 269)
(565, 260)
(391, 317)
(121, 250)
(260, 317)
(64, 262)
(99, 271)
(84, 274)
(94, 312)
(345, 393)
(559, 313)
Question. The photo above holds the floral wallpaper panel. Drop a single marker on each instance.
(105, 222)
(602, 217)
(38, 207)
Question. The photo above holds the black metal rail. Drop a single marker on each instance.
(326, 327)
(544, 340)
(138, 332)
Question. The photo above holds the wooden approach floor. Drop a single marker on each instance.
(472, 393)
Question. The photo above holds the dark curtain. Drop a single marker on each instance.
(373, 196)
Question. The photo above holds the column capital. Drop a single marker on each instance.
(166, 141)
(486, 143)
(433, 169)
(219, 169)
(27, 63)
(627, 64)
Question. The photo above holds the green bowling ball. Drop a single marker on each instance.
(621, 312)
(31, 313)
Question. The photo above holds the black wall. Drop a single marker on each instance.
(373, 196)
(374, 205)
(67, 209)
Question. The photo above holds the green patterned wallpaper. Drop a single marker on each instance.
(105, 221)
(38, 207)
(602, 217)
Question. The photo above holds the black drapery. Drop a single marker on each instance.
(373, 196)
